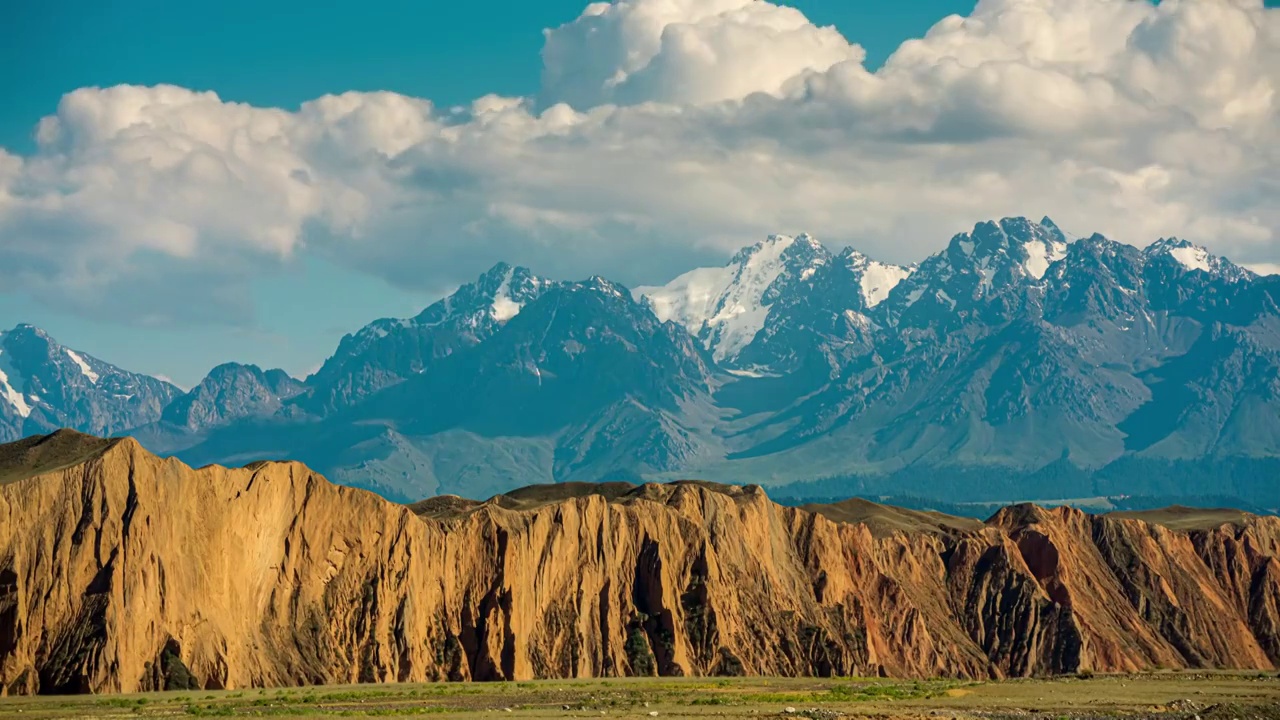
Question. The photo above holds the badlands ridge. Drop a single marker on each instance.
(121, 571)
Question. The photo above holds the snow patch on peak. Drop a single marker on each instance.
(942, 296)
(1191, 257)
(857, 318)
(14, 397)
(503, 307)
(84, 367)
(878, 279)
(8, 391)
(774, 245)
(595, 282)
(727, 306)
(741, 311)
(1040, 255)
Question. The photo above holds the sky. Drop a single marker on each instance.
(183, 184)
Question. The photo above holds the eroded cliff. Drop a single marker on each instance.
(120, 571)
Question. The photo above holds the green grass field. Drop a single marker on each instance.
(1209, 696)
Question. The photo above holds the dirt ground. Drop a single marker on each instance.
(1199, 696)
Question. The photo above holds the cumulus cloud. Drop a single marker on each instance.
(668, 132)
(684, 51)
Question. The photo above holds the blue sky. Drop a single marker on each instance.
(168, 231)
(280, 54)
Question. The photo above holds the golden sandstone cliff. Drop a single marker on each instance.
(120, 571)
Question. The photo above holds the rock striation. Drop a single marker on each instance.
(121, 571)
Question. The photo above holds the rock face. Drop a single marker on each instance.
(389, 351)
(230, 392)
(45, 386)
(120, 571)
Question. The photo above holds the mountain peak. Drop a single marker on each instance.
(1189, 257)
(29, 331)
(1031, 247)
(498, 270)
(227, 368)
(390, 350)
(606, 286)
(45, 385)
(229, 392)
(803, 244)
(874, 279)
(1188, 254)
(726, 306)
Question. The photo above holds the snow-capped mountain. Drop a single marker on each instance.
(726, 307)
(1193, 258)
(1015, 349)
(583, 383)
(388, 351)
(874, 279)
(1180, 275)
(984, 274)
(825, 320)
(45, 386)
(1017, 361)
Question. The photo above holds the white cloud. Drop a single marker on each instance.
(684, 51)
(1266, 268)
(668, 131)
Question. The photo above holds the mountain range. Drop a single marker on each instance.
(1018, 363)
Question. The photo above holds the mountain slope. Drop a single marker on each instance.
(821, 323)
(389, 351)
(230, 392)
(1013, 350)
(123, 572)
(45, 386)
(582, 383)
(726, 307)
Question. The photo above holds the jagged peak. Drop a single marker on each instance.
(726, 306)
(1028, 245)
(1195, 258)
(27, 330)
(599, 284)
(1187, 253)
(875, 279)
(499, 269)
(21, 328)
(230, 367)
(236, 368)
(1062, 235)
(1172, 242)
(803, 246)
(1099, 244)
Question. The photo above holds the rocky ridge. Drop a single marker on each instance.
(45, 386)
(121, 571)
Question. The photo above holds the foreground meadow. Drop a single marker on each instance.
(1207, 696)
